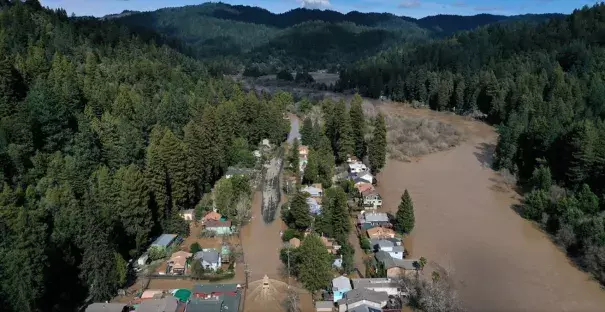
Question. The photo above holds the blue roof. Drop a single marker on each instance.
(164, 240)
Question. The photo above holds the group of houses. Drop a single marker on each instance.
(201, 298)
(364, 181)
(389, 251)
(364, 295)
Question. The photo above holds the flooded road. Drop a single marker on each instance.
(464, 224)
(294, 128)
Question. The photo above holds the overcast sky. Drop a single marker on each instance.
(413, 8)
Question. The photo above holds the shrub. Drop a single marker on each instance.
(195, 247)
(289, 234)
(156, 253)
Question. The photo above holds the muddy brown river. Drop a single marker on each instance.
(464, 224)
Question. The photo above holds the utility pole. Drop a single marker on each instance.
(291, 295)
(247, 272)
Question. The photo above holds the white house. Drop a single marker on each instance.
(357, 167)
(391, 246)
(369, 178)
(210, 259)
(371, 199)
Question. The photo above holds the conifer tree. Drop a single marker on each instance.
(133, 203)
(311, 173)
(358, 126)
(172, 153)
(299, 212)
(404, 219)
(314, 270)
(378, 145)
(293, 158)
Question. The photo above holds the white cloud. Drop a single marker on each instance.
(315, 4)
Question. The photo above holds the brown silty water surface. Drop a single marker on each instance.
(465, 225)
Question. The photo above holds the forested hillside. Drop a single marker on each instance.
(104, 137)
(298, 39)
(544, 86)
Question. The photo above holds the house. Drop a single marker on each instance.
(352, 159)
(178, 262)
(391, 286)
(337, 263)
(266, 143)
(357, 167)
(294, 242)
(314, 206)
(396, 267)
(107, 307)
(219, 227)
(168, 304)
(235, 171)
(340, 286)
(324, 306)
(392, 246)
(256, 153)
(362, 187)
(210, 259)
(303, 157)
(367, 177)
(371, 199)
(212, 215)
(314, 190)
(380, 232)
(374, 218)
(164, 241)
(330, 245)
(143, 260)
(215, 298)
(365, 308)
(362, 296)
(188, 215)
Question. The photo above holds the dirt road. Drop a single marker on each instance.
(464, 224)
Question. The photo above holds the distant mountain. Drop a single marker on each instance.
(299, 38)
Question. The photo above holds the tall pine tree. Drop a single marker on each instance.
(378, 145)
(404, 219)
(358, 125)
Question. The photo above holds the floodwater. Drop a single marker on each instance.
(294, 128)
(262, 242)
(465, 225)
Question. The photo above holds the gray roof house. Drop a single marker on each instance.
(164, 240)
(360, 297)
(107, 307)
(389, 285)
(211, 259)
(365, 308)
(374, 218)
(168, 304)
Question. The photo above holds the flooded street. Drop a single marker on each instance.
(294, 128)
(262, 243)
(464, 224)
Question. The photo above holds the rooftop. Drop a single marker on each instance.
(168, 304)
(106, 307)
(217, 223)
(361, 294)
(364, 308)
(390, 262)
(210, 256)
(212, 215)
(376, 217)
(341, 283)
(380, 232)
(164, 240)
(294, 242)
(324, 304)
(215, 298)
(374, 282)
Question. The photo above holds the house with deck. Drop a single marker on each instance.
(371, 199)
(380, 233)
(177, 264)
(373, 218)
(396, 268)
(393, 246)
(340, 286)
